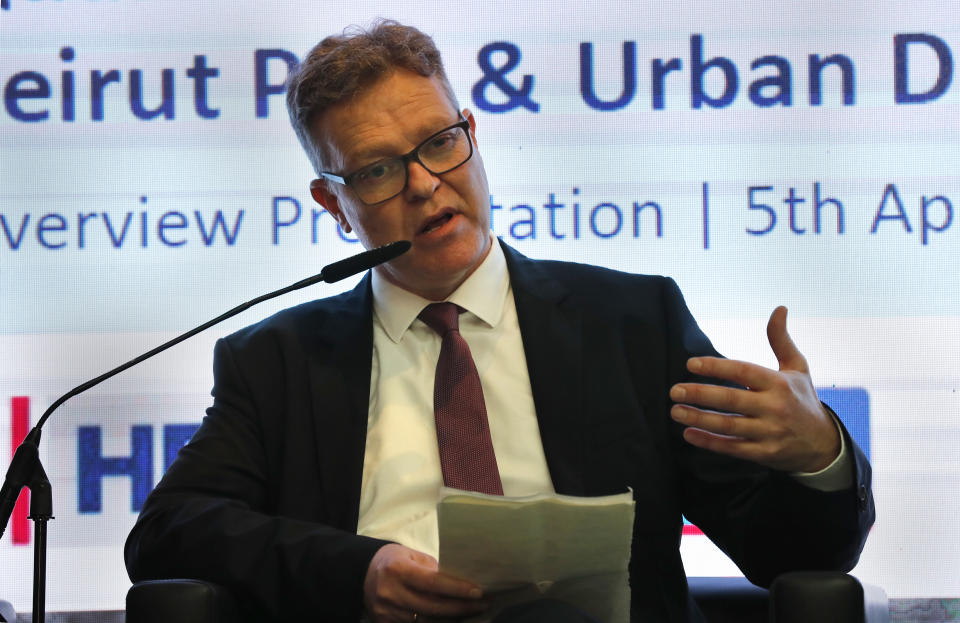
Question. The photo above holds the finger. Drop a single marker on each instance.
(401, 601)
(401, 581)
(432, 606)
(395, 614)
(420, 572)
(787, 353)
(720, 398)
(390, 611)
(765, 452)
(731, 446)
(742, 373)
(733, 426)
(425, 580)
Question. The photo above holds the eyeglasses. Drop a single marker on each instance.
(441, 152)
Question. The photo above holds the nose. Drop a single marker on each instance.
(421, 184)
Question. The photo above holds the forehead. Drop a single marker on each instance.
(388, 118)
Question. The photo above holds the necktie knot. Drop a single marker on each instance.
(442, 317)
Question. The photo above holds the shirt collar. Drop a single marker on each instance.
(482, 294)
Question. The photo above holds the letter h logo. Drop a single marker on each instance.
(92, 466)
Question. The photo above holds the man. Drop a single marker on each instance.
(310, 488)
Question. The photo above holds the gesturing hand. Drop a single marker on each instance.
(777, 420)
(402, 582)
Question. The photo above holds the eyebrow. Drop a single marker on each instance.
(372, 154)
(382, 151)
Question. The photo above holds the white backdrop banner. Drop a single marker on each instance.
(798, 153)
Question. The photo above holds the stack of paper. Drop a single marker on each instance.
(560, 547)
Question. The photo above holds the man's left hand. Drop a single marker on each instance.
(777, 420)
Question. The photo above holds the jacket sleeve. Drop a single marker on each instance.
(216, 513)
(766, 521)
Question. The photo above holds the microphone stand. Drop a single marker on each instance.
(27, 471)
(41, 511)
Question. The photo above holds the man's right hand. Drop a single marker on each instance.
(402, 583)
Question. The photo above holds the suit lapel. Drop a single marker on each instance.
(340, 391)
(551, 329)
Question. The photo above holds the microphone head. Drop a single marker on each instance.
(364, 261)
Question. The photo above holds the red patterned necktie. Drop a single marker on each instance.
(463, 433)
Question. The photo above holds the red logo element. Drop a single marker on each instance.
(19, 427)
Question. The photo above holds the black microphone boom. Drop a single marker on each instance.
(22, 466)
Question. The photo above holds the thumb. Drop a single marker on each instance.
(789, 357)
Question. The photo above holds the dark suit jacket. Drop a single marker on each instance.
(265, 497)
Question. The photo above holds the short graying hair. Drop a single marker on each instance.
(341, 66)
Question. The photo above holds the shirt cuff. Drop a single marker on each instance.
(834, 477)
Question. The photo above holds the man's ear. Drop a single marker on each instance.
(473, 123)
(320, 190)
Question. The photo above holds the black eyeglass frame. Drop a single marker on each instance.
(407, 158)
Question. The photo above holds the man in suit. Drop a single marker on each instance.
(310, 488)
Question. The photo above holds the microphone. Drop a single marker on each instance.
(364, 261)
(26, 459)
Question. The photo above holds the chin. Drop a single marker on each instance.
(460, 262)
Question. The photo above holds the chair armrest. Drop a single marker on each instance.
(183, 601)
(798, 597)
(826, 597)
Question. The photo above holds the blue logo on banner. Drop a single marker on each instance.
(852, 404)
(93, 467)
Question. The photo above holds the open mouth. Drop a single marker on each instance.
(437, 222)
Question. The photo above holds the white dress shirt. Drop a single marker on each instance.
(401, 468)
